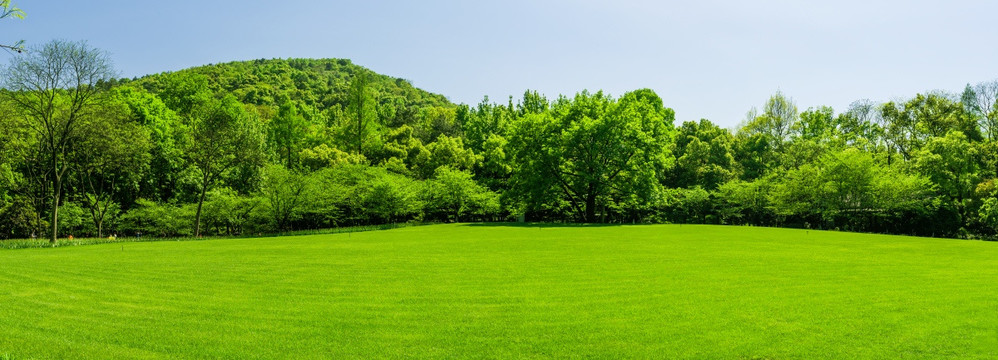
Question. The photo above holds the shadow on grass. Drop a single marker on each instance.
(12, 244)
(541, 225)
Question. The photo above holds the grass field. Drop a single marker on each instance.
(459, 291)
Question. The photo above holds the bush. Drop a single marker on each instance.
(156, 219)
(454, 196)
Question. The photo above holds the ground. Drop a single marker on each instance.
(494, 291)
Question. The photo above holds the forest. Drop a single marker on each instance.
(267, 146)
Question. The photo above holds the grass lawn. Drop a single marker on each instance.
(458, 291)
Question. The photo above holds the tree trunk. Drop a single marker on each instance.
(360, 127)
(55, 211)
(591, 204)
(197, 216)
(56, 194)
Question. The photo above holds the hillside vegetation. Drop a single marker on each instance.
(316, 83)
(279, 145)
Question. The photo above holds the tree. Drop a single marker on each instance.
(113, 154)
(361, 109)
(703, 156)
(223, 137)
(9, 10)
(778, 119)
(55, 88)
(847, 188)
(858, 126)
(590, 149)
(166, 133)
(285, 192)
(287, 133)
(219, 135)
(445, 151)
(952, 163)
(982, 100)
(454, 192)
(817, 124)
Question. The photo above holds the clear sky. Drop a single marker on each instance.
(706, 59)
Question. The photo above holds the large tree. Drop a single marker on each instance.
(223, 137)
(220, 136)
(55, 88)
(113, 154)
(703, 156)
(591, 149)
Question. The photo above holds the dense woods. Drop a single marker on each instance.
(277, 145)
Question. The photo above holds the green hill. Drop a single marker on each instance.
(319, 83)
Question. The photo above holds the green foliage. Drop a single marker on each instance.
(289, 145)
(149, 218)
(746, 202)
(166, 132)
(951, 162)
(226, 212)
(455, 196)
(778, 120)
(989, 214)
(286, 134)
(360, 121)
(445, 151)
(315, 83)
(360, 194)
(704, 156)
(8, 10)
(848, 189)
(285, 192)
(591, 151)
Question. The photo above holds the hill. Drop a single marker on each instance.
(318, 83)
(499, 291)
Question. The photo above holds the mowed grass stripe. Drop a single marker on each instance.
(464, 290)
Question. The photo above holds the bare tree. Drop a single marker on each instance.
(782, 114)
(54, 89)
(985, 100)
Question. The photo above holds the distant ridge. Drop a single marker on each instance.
(318, 83)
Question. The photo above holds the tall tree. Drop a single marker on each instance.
(983, 102)
(777, 120)
(287, 133)
(361, 108)
(113, 154)
(953, 164)
(222, 137)
(55, 88)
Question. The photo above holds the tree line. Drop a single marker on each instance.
(277, 145)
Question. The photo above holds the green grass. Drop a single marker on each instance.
(459, 291)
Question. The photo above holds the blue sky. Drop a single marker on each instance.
(706, 59)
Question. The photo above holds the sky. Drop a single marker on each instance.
(706, 59)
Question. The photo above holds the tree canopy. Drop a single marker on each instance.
(281, 145)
